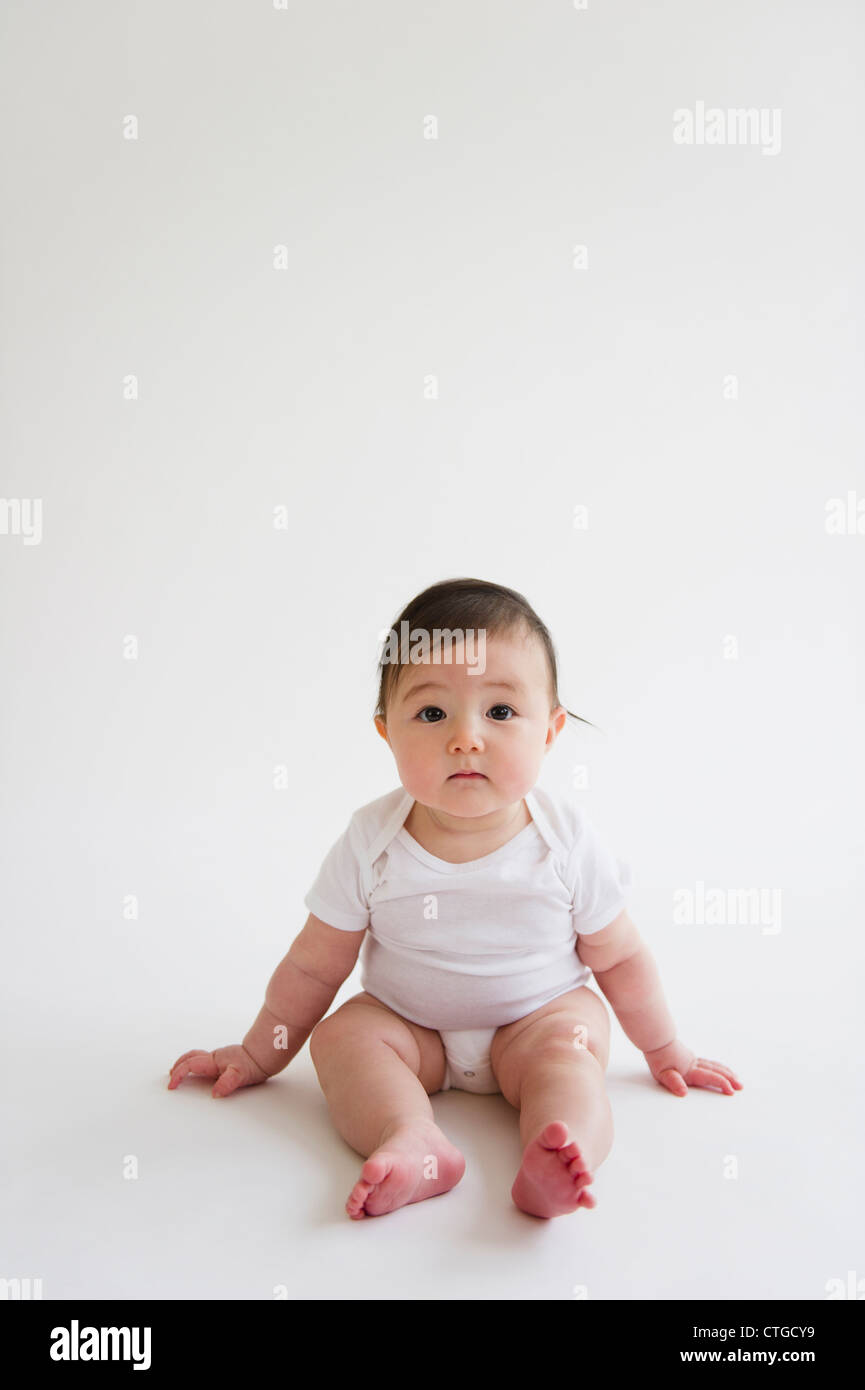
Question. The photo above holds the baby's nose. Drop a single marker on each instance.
(465, 737)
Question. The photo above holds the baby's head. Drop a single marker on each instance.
(480, 693)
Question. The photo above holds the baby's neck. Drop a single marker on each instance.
(458, 846)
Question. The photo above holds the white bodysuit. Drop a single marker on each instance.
(473, 946)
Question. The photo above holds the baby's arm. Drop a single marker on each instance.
(626, 972)
(300, 992)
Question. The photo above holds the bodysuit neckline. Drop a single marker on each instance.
(447, 865)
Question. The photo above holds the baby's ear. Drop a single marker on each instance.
(558, 720)
(381, 726)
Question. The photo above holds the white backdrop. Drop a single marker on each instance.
(306, 308)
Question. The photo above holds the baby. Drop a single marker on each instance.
(483, 905)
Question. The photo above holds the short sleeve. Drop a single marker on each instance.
(599, 880)
(339, 894)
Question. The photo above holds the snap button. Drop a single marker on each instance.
(468, 1073)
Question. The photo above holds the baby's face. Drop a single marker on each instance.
(443, 719)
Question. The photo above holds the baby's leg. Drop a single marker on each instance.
(376, 1069)
(550, 1065)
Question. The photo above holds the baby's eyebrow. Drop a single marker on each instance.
(484, 685)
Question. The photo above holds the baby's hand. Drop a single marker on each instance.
(677, 1068)
(232, 1065)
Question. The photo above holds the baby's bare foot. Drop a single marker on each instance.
(414, 1161)
(553, 1178)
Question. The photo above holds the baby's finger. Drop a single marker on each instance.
(186, 1055)
(702, 1076)
(229, 1081)
(717, 1066)
(195, 1064)
(673, 1081)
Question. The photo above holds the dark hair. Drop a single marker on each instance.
(469, 604)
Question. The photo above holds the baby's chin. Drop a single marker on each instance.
(454, 786)
(451, 792)
(468, 796)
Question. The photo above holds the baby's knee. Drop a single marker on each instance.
(559, 1036)
(344, 1027)
(326, 1034)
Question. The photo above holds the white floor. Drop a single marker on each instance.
(243, 1198)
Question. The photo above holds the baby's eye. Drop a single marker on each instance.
(424, 710)
(436, 709)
